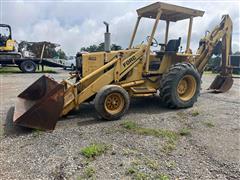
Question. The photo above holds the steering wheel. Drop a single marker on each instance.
(154, 43)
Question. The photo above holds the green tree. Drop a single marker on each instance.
(61, 54)
(100, 47)
(116, 47)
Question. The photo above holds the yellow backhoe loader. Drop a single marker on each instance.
(112, 77)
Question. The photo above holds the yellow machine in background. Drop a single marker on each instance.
(112, 77)
(7, 44)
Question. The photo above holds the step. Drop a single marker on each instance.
(143, 90)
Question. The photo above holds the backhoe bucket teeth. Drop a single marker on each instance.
(221, 84)
(40, 105)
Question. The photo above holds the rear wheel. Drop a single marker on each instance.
(28, 66)
(180, 87)
(112, 102)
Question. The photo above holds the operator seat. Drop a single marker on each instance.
(171, 47)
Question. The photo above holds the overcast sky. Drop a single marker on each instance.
(74, 24)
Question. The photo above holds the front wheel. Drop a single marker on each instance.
(112, 102)
(180, 87)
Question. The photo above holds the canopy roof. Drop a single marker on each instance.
(169, 12)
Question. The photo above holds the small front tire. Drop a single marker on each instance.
(112, 102)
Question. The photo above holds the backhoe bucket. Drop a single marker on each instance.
(40, 105)
(221, 84)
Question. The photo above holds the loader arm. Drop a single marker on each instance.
(119, 68)
(223, 31)
(42, 103)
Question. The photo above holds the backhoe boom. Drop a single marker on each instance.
(221, 34)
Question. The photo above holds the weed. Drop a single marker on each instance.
(170, 164)
(182, 115)
(195, 113)
(89, 172)
(168, 147)
(129, 125)
(131, 170)
(184, 132)
(136, 174)
(162, 177)
(136, 162)
(94, 150)
(37, 132)
(141, 176)
(133, 127)
(152, 164)
(127, 152)
(208, 124)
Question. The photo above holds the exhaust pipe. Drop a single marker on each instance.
(107, 38)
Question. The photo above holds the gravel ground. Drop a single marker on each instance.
(209, 150)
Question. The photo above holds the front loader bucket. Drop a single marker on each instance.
(40, 105)
(221, 84)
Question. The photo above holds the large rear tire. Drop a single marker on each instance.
(28, 66)
(180, 87)
(112, 102)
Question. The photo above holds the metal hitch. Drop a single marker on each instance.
(221, 84)
(39, 106)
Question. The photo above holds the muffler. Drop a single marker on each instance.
(39, 106)
(221, 84)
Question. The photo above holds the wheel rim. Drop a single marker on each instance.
(114, 103)
(29, 67)
(186, 87)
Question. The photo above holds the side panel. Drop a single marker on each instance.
(91, 62)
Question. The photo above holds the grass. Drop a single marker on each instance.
(136, 174)
(94, 150)
(37, 132)
(209, 124)
(149, 166)
(127, 152)
(170, 136)
(129, 125)
(195, 113)
(168, 147)
(131, 170)
(184, 132)
(135, 128)
(162, 177)
(170, 164)
(182, 115)
(89, 172)
(152, 164)
(8, 70)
